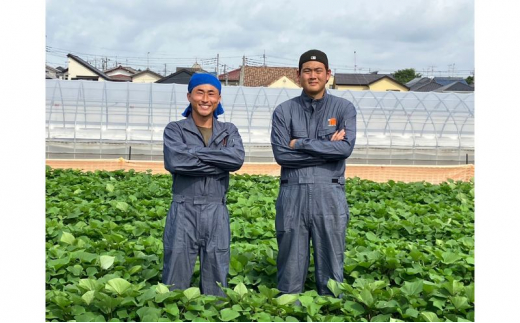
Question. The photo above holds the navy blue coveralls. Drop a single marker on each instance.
(311, 202)
(198, 219)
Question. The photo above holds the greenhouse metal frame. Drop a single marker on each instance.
(88, 119)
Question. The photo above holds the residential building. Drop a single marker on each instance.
(146, 76)
(367, 82)
(81, 70)
(440, 84)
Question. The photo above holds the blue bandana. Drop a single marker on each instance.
(203, 78)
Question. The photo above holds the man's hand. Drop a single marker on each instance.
(338, 135)
(292, 143)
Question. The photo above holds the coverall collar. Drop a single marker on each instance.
(190, 125)
(307, 101)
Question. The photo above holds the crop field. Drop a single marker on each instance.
(409, 253)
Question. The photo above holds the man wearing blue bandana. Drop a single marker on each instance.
(199, 152)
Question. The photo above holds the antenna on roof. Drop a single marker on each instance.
(355, 66)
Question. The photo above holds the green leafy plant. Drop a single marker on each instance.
(409, 254)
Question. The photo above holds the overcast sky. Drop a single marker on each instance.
(386, 35)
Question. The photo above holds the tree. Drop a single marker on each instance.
(406, 75)
(470, 80)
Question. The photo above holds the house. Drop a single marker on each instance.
(230, 78)
(264, 76)
(81, 70)
(440, 84)
(120, 70)
(448, 80)
(63, 73)
(367, 82)
(456, 87)
(146, 76)
(182, 76)
(51, 72)
(120, 73)
(423, 84)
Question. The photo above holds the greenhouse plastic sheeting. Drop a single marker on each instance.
(88, 119)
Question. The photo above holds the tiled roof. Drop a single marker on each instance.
(178, 77)
(428, 87)
(448, 80)
(90, 67)
(126, 68)
(233, 75)
(456, 86)
(359, 79)
(147, 71)
(261, 76)
(50, 68)
(423, 84)
(121, 78)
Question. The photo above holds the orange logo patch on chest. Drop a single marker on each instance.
(332, 122)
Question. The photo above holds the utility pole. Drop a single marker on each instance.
(164, 69)
(264, 57)
(242, 71)
(216, 67)
(226, 74)
(148, 61)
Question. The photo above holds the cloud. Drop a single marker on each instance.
(385, 34)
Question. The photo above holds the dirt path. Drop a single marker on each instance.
(431, 174)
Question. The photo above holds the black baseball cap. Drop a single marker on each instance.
(313, 55)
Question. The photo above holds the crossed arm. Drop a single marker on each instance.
(201, 161)
(304, 152)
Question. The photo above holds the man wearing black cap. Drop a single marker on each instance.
(312, 136)
(199, 152)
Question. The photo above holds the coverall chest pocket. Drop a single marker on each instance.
(299, 133)
(326, 133)
(221, 140)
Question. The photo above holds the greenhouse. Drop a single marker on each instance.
(103, 120)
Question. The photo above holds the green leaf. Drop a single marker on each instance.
(110, 187)
(117, 285)
(291, 319)
(306, 300)
(430, 316)
(88, 297)
(412, 288)
(67, 238)
(77, 310)
(286, 299)
(192, 293)
(228, 314)
(453, 286)
(381, 318)
(333, 287)
(149, 314)
(241, 289)
(450, 257)
(460, 303)
(172, 309)
(355, 308)
(161, 289)
(90, 317)
(106, 261)
(88, 284)
(365, 296)
(123, 206)
(372, 237)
